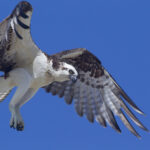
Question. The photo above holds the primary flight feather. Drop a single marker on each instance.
(73, 74)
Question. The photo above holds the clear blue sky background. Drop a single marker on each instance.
(118, 33)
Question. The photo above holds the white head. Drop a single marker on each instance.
(63, 71)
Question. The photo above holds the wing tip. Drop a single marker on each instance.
(144, 128)
(138, 136)
(25, 6)
(21, 9)
(124, 95)
(139, 111)
(118, 130)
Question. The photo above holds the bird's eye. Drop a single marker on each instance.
(71, 72)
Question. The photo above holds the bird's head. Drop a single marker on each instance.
(63, 71)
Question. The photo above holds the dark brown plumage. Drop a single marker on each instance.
(23, 7)
(96, 94)
(9, 36)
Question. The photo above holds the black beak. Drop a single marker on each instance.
(73, 78)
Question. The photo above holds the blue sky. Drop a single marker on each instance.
(118, 33)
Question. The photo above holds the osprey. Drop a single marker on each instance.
(73, 74)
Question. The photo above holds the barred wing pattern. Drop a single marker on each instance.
(96, 94)
(16, 45)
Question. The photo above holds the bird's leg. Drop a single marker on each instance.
(16, 120)
(22, 80)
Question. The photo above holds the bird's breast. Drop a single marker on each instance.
(40, 69)
(41, 81)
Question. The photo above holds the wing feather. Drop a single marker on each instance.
(124, 95)
(96, 94)
(16, 45)
(88, 100)
(128, 124)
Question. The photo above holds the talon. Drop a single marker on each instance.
(12, 124)
(20, 127)
(16, 122)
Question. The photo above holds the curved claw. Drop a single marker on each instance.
(18, 126)
(16, 122)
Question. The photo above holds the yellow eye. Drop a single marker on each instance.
(71, 72)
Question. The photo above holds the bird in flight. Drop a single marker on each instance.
(77, 75)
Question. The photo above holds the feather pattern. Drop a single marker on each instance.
(96, 94)
(16, 45)
(3, 95)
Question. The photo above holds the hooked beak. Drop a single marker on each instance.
(73, 78)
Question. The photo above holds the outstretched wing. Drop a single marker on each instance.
(96, 94)
(16, 45)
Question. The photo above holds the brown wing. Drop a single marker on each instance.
(16, 45)
(96, 94)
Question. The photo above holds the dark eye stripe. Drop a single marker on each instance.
(64, 68)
